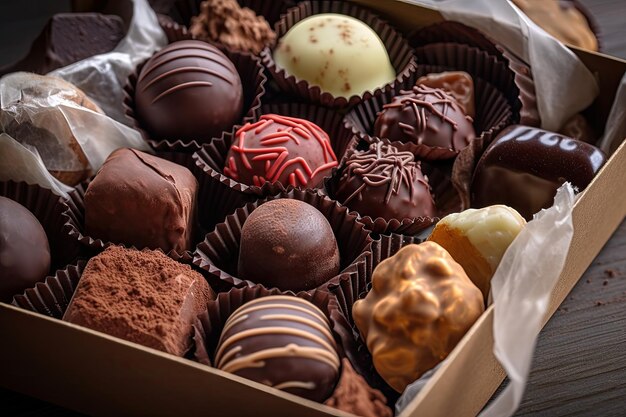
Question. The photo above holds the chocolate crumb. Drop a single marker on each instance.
(605, 282)
(600, 303)
(346, 87)
(611, 273)
(588, 280)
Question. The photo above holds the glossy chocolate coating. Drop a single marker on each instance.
(188, 90)
(281, 341)
(288, 244)
(427, 116)
(24, 249)
(281, 149)
(525, 166)
(384, 182)
(140, 200)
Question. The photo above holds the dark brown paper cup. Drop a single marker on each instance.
(49, 209)
(494, 108)
(224, 194)
(209, 325)
(219, 252)
(253, 81)
(400, 53)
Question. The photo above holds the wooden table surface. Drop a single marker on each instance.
(580, 361)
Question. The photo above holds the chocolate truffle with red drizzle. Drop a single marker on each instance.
(189, 90)
(282, 149)
(428, 117)
(384, 182)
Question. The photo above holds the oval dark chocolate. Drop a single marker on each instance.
(525, 166)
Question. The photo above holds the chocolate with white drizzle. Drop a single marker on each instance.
(425, 116)
(384, 182)
(281, 341)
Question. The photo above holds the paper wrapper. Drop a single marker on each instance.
(74, 229)
(48, 208)
(218, 253)
(225, 194)
(439, 176)
(494, 111)
(253, 82)
(400, 54)
(521, 293)
(209, 325)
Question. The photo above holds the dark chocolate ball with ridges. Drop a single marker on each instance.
(384, 182)
(525, 166)
(425, 116)
(189, 90)
(24, 249)
(287, 244)
(281, 341)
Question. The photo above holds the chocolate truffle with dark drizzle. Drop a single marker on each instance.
(384, 182)
(425, 116)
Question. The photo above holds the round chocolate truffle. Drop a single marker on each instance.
(24, 249)
(287, 244)
(281, 341)
(340, 54)
(188, 90)
(384, 182)
(281, 149)
(425, 116)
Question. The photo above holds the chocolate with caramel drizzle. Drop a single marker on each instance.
(425, 116)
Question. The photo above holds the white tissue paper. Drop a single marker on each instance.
(54, 122)
(615, 130)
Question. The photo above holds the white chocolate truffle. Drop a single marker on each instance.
(478, 238)
(340, 54)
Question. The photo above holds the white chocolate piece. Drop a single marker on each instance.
(478, 238)
(339, 53)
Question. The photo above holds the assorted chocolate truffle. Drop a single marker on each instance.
(236, 27)
(420, 306)
(426, 116)
(141, 296)
(140, 200)
(338, 53)
(281, 341)
(384, 182)
(287, 244)
(24, 249)
(525, 166)
(281, 149)
(477, 239)
(459, 84)
(189, 90)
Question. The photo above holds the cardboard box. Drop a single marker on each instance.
(101, 375)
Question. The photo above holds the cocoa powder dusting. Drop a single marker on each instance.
(141, 296)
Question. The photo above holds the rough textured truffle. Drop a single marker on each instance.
(140, 200)
(477, 240)
(420, 306)
(353, 395)
(340, 54)
(141, 296)
(24, 249)
(426, 116)
(69, 38)
(188, 90)
(281, 341)
(281, 149)
(288, 244)
(459, 84)
(384, 182)
(525, 166)
(236, 27)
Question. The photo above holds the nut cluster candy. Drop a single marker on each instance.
(420, 306)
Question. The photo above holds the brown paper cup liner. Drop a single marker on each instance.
(224, 195)
(218, 253)
(270, 10)
(74, 229)
(439, 176)
(494, 114)
(49, 209)
(400, 53)
(253, 81)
